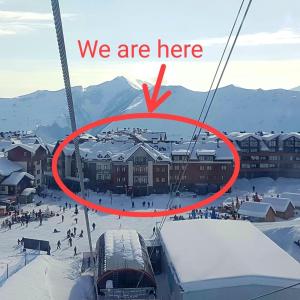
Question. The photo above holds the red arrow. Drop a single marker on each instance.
(154, 102)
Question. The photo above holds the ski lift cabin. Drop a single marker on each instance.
(124, 267)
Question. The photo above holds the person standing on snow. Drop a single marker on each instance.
(58, 245)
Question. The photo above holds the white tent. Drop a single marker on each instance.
(222, 259)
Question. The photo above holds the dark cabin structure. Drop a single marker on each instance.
(124, 267)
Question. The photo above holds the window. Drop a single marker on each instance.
(201, 168)
(163, 179)
(273, 143)
(206, 157)
(209, 168)
(265, 166)
(245, 166)
(38, 181)
(223, 168)
(176, 168)
(273, 157)
(157, 179)
(255, 157)
(38, 171)
(140, 160)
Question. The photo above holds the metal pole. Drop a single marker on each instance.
(68, 90)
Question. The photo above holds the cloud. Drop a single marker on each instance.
(15, 22)
(284, 36)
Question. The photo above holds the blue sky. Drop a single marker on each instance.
(267, 54)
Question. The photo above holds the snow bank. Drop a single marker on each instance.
(45, 278)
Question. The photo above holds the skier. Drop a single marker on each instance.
(81, 234)
(76, 220)
(75, 251)
(58, 245)
(62, 218)
(75, 231)
(70, 242)
(94, 226)
(100, 200)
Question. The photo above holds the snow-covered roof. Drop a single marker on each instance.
(123, 248)
(16, 177)
(28, 191)
(285, 136)
(270, 136)
(294, 197)
(243, 136)
(278, 204)
(155, 154)
(205, 152)
(254, 209)
(7, 167)
(29, 147)
(181, 152)
(210, 254)
(151, 135)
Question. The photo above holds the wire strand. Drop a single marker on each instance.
(169, 203)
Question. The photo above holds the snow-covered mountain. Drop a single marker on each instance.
(234, 108)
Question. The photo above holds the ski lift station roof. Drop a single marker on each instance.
(123, 259)
(212, 258)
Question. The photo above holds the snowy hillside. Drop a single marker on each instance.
(234, 108)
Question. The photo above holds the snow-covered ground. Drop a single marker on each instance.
(58, 276)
